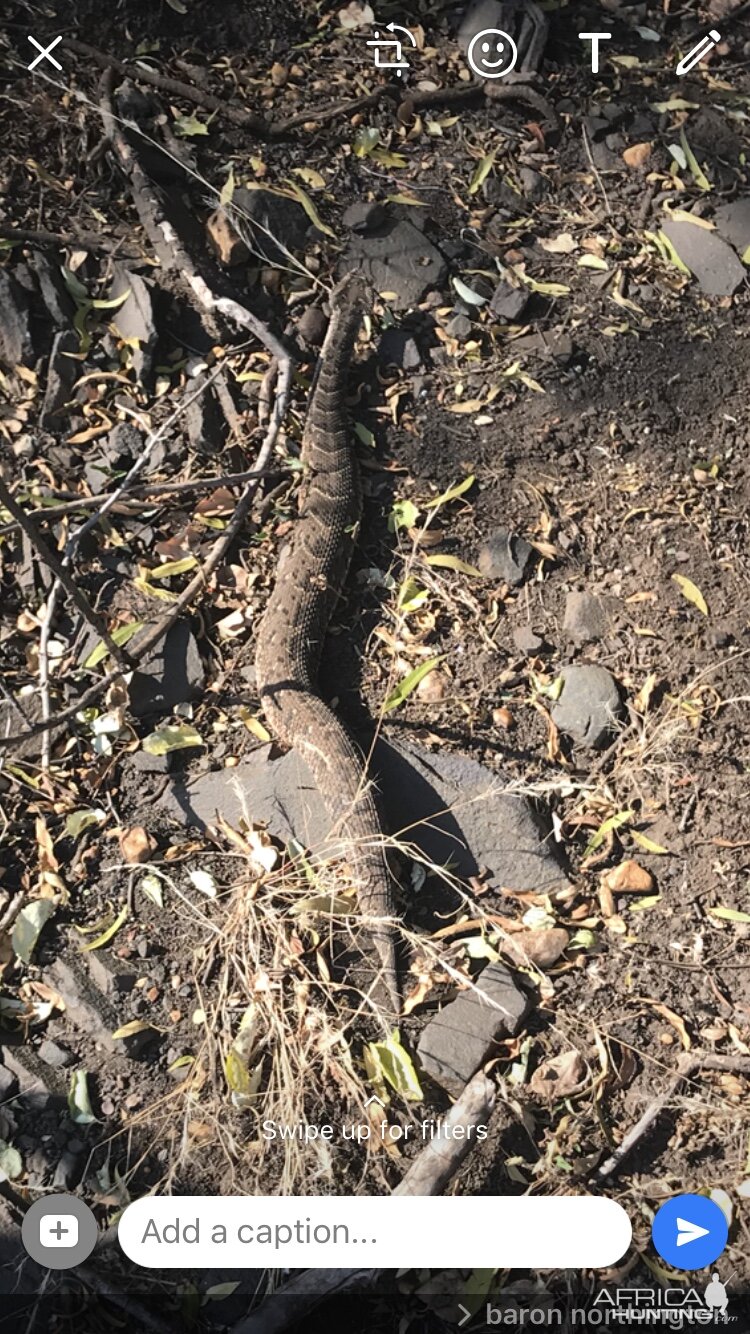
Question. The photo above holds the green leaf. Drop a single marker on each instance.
(643, 904)
(177, 736)
(310, 177)
(79, 1103)
(77, 821)
(394, 1064)
(109, 931)
(11, 1162)
(362, 433)
(403, 515)
(172, 567)
(111, 303)
(304, 199)
(452, 493)
(188, 127)
(27, 927)
(121, 636)
(411, 596)
(330, 905)
(607, 827)
(135, 1026)
(402, 691)
(453, 563)
(365, 140)
(695, 169)
(730, 915)
(648, 844)
(482, 171)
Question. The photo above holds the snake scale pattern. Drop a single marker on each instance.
(312, 570)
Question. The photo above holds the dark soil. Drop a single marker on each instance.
(609, 427)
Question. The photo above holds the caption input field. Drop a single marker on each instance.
(319, 1232)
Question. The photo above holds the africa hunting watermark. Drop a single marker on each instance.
(670, 1308)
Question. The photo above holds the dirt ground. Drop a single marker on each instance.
(606, 424)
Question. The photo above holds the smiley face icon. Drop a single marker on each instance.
(492, 53)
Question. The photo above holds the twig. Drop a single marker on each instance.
(687, 1066)
(440, 1159)
(295, 1299)
(57, 566)
(56, 240)
(52, 513)
(135, 69)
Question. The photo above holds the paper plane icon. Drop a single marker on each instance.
(687, 1231)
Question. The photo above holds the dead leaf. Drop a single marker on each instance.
(637, 155)
(558, 1077)
(643, 698)
(674, 1019)
(628, 878)
(136, 845)
(691, 591)
(227, 244)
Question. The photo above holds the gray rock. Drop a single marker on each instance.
(272, 224)
(459, 327)
(312, 326)
(173, 674)
(398, 259)
(134, 319)
(733, 223)
(15, 337)
(534, 185)
(110, 975)
(506, 556)
(68, 1171)
(398, 348)
(509, 303)
(480, 15)
(463, 1035)
(53, 1054)
(143, 763)
(451, 808)
(589, 704)
(586, 618)
(84, 1006)
(62, 372)
(526, 640)
(204, 424)
(364, 217)
(55, 295)
(711, 261)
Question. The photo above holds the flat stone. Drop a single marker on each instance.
(589, 704)
(534, 185)
(526, 640)
(109, 975)
(62, 373)
(506, 556)
(509, 303)
(16, 347)
(463, 1035)
(53, 1054)
(398, 259)
(586, 618)
(68, 1172)
(451, 808)
(134, 319)
(85, 1007)
(173, 674)
(733, 223)
(364, 217)
(711, 260)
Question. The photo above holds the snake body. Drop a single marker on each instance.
(311, 572)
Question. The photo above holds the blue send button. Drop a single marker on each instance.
(689, 1232)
